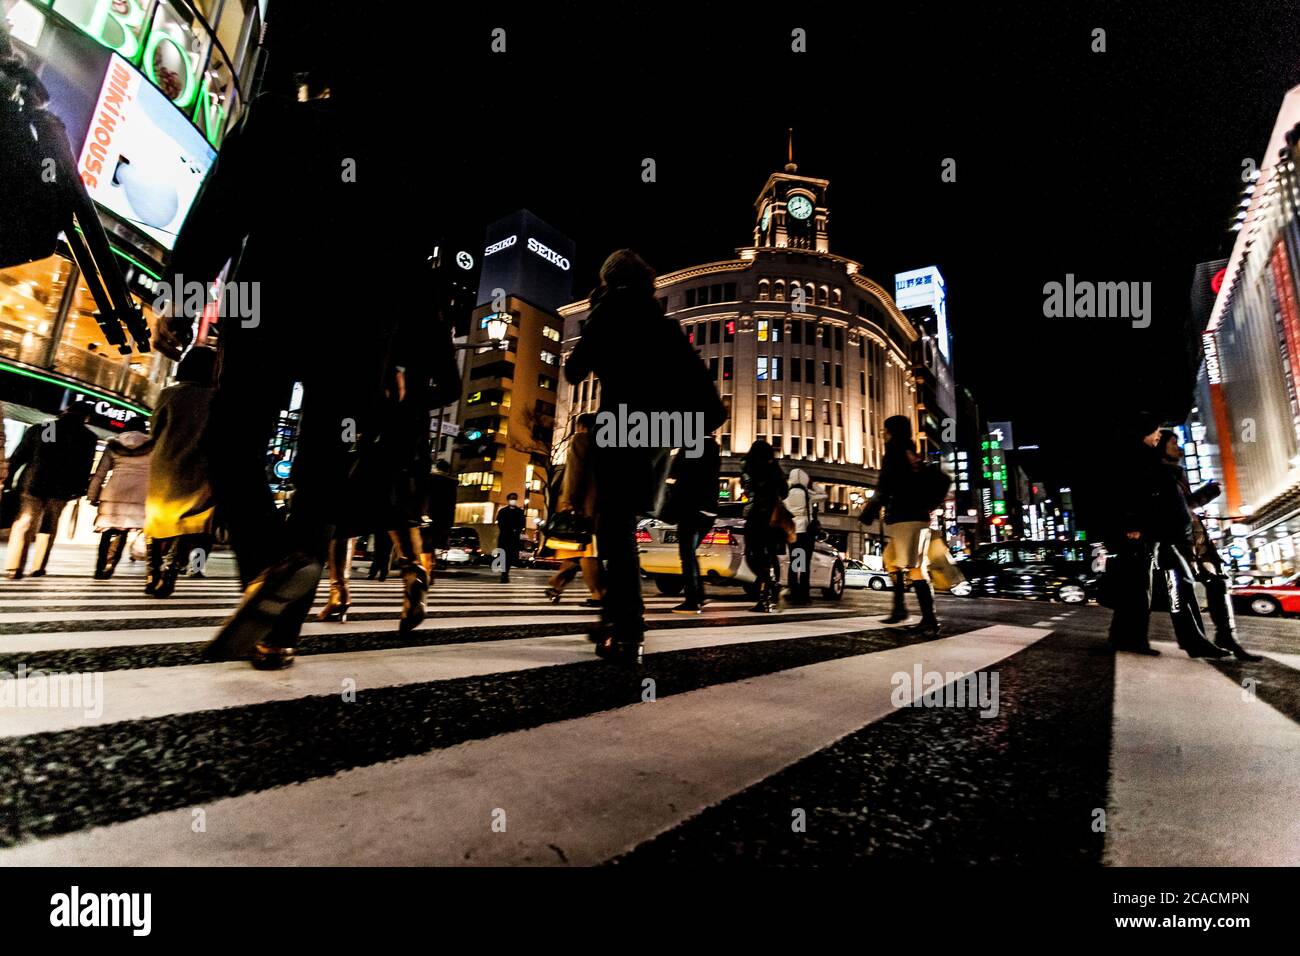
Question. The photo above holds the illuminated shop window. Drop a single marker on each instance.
(550, 333)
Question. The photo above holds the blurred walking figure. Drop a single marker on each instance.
(575, 511)
(510, 523)
(179, 509)
(118, 490)
(280, 222)
(49, 468)
(1203, 556)
(389, 483)
(902, 494)
(692, 505)
(765, 537)
(644, 364)
(439, 509)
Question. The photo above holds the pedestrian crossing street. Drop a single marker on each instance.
(492, 735)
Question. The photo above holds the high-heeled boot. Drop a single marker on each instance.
(899, 612)
(925, 597)
(153, 569)
(415, 580)
(101, 559)
(339, 562)
(169, 570)
(115, 550)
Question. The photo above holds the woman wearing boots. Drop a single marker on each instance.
(178, 510)
(1201, 554)
(765, 486)
(902, 497)
(118, 490)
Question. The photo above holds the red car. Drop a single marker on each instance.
(1271, 600)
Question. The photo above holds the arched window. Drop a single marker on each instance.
(764, 290)
(779, 291)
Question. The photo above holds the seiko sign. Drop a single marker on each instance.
(549, 254)
(545, 251)
(498, 246)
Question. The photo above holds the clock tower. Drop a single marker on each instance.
(791, 209)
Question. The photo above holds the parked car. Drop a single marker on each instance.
(1051, 570)
(722, 557)
(1272, 600)
(858, 575)
(464, 549)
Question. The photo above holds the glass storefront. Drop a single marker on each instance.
(47, 321)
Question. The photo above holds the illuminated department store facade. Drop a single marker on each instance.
(807, 352)
(177, 74)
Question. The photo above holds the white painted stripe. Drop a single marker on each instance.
(172, 613)
(565, 784)
(1290, 660)
(1200, 776)
(159, 691)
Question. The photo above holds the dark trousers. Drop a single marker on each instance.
(689, 536)
(763, 546)
(1132, 613)
(1218, 600)
(625, 489)
(511, 548)
(341, 376)
(801, 581)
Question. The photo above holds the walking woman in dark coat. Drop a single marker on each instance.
(644, 363)
(907, 522)
(766, 487)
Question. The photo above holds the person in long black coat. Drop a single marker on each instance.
(297, 192)
(765, 487)
(645, 363)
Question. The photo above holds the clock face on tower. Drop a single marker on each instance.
(766, 218)
(799, 207)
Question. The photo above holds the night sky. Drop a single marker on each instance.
(1117, 166)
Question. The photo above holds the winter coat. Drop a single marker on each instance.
(121, 482)
(899, 492)
(577, 489)
(510, 521)
(802, 499)
(57, 468)
(693, 495)
(764, 485)
(180, 498)
(644, 362)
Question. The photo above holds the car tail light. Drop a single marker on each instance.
(643, 537)
(717, 537)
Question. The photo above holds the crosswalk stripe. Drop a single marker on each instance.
(1201, 775)
(563, 786)
(146, 693)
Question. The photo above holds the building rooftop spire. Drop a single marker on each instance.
(790, 165)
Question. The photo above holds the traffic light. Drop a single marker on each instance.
(475, 443)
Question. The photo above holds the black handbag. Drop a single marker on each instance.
(568, 531)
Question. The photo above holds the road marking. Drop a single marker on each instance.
(1200, 776)
(594, 786)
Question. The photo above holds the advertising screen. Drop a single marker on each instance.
(922, 288)
(525, 256)
(142, 159)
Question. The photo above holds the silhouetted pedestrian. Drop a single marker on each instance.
(765, 538)
(510, 525)
(907, 502)
(49, 468)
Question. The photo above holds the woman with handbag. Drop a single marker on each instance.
(768, 525)
(569, 530)
(903, 496)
